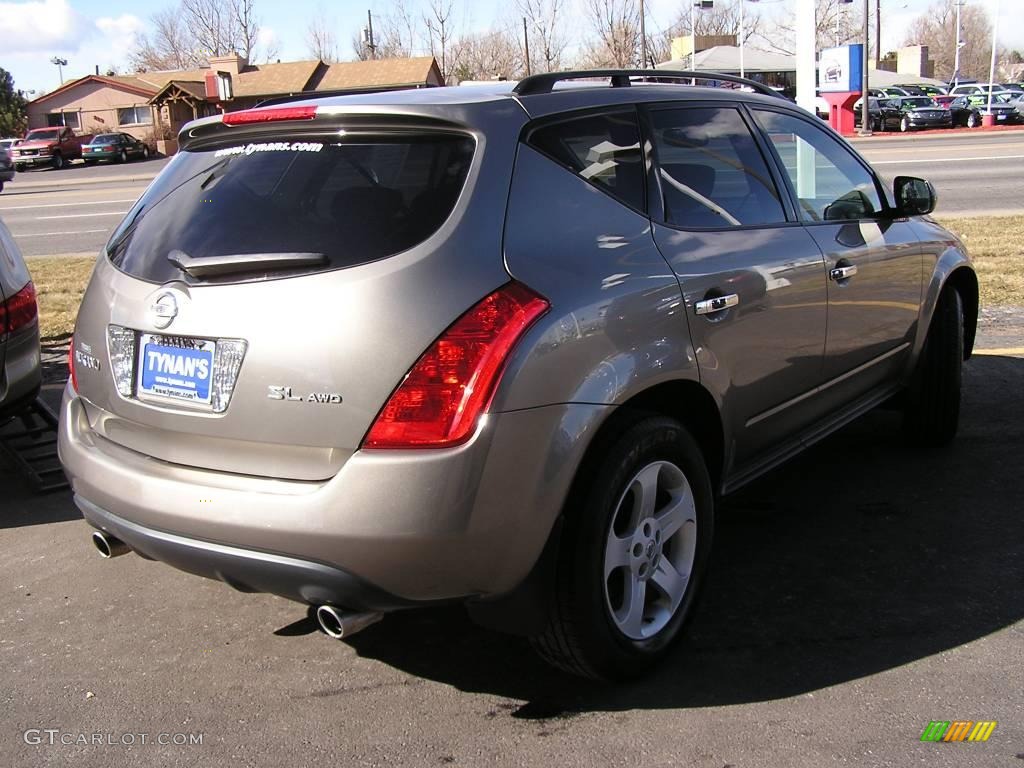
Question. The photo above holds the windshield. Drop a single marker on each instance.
(917, 103)
(352, 199)
(105, 138)
(46, 134)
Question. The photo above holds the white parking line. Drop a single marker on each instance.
(51, 234)
(63, 205)
(945, 160)
(81, 215)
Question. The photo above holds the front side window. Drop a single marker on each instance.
(830, 183)
(603, 149)
(711, 172)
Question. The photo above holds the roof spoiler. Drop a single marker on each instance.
(623, 78)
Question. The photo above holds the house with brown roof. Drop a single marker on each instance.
(154, 105)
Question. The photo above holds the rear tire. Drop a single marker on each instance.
(635, 546)
(932, 414)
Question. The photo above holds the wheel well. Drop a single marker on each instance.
(966, 284)
(686, 401)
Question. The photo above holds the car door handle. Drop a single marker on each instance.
(717, 304)
(843, 273)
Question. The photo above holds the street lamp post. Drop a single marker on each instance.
(61, 63)
(959, 45)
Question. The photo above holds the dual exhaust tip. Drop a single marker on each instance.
(334, 622)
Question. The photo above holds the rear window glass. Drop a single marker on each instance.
(350, 199)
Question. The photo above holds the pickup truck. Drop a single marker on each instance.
(55, 147)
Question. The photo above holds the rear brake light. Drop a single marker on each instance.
(439, 401)
(270, 115)
(19, 310)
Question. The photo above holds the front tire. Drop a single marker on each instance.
(58, 161)
(972, 120)
(904, 125)
(932, 414)
(635, 546)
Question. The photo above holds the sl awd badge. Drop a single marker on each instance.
(285, 393)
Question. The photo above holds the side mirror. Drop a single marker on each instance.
(914, 197)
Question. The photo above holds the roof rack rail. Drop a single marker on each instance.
(622, 78)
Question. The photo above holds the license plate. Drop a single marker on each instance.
(1000, 117)
(176, 368)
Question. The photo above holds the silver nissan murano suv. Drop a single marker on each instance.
(504, 345)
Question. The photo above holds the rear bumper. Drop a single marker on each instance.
(420, 526)
(246, 570)
(21, 374)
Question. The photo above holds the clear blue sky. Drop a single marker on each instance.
(100, 32)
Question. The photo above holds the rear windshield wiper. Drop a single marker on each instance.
(211, 266)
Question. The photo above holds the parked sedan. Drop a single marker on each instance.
(963, 112)
(20, 370)
(1003, 106)
(118, 147)
(915, 112)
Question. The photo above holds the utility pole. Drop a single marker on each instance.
(878, 34)
(743, 70)
(370, 45)
(526, 46)
(643, 37)
(865, 117)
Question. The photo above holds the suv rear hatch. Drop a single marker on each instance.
(275, 283)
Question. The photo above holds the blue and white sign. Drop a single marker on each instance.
(177, 373)
(841, 70)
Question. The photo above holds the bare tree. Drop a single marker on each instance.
(494, 55)
(544, 22)
(936, 28)
(835, 24)
(615, 25)
(320, 40)
(185, 36)
(170, 45)
(440, 35)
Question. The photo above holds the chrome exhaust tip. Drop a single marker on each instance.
(108, 546)
(338, 624)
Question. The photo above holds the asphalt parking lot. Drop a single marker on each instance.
(855, 595)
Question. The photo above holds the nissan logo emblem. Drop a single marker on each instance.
(164, 310)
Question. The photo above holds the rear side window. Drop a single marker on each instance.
(712, 174)
(347, 200)
(603, 149)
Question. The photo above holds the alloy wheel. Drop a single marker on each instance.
(650, 550)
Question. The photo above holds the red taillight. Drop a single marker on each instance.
(270, 115)
(19, 310)
(452, 383)
(71, 365)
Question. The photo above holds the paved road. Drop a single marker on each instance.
(974, 174)
(75, 209)
(855, 595)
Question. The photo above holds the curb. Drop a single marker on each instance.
(16, 185)
(941, 133)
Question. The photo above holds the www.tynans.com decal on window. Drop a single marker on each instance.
(271, 146)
